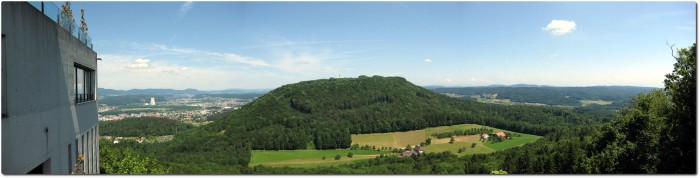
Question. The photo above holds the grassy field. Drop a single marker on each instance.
(313, 158)
(392, 139)
(598, 102)
(516, 141)
(452, 128)
(441, 147)
(401, 139)
(309, 158)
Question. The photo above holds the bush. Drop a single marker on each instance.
(337, 157)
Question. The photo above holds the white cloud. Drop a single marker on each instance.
(448, 80)
(560, 27)
(305, 63)
(161, 74)
(243, 59)
(151, 65)
(139, 63)
(428, 60)
(228, 57)
(184, 9)
(287, 43)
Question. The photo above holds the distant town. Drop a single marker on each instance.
(182, 108)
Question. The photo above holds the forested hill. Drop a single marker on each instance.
(325, 112)
(566, 96)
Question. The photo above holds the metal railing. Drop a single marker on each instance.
(51, 10)
(80, 98)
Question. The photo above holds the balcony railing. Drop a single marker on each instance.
(51, 10)
(80, 98)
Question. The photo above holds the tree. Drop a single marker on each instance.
(324, 158)
(337, 157)
(473, 145)
(499, 172)
(680, 85)
(349, 154)
(428, 141)
(114, 160)
(66, 10)
(83, 24)
(354, 146)
(66, 18)
(452, 140)
(656, 132)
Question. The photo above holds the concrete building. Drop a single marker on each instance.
(49, 107)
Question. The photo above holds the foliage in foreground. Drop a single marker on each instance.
(142, 126)
(124, 160)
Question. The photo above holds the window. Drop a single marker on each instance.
(84, 84)
(70, 158)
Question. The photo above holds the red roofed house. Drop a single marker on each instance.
(501, 134)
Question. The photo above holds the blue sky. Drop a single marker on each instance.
(220, 45)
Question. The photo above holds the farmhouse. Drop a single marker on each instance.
(501, 134)
(407, 153)
(416, 150)
(485, 136)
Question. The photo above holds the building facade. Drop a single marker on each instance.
(49, 107)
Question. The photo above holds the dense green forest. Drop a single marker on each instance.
(142, 126)
(565, 96)
(654, 133)
(194, 151)
(327, 111)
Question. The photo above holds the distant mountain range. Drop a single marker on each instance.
(568, 96)
(521, 85)
(107, 92)
(190, 91)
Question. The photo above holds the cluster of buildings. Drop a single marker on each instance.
(485, 136)
(183, 115)
(417, 150)
(207, 102)
(209, 105)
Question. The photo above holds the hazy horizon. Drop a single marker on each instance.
(222, 45)
(439, 86)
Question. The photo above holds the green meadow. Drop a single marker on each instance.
(313, 158)
(309, 158)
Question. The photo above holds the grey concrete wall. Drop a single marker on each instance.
(40, 117)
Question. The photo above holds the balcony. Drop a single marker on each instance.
(51, 10)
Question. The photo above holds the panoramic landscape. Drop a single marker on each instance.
(376, 88)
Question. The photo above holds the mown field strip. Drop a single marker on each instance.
(301, 157)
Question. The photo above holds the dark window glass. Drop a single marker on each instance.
(84, 84)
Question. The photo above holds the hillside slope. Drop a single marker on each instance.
(325, 112)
